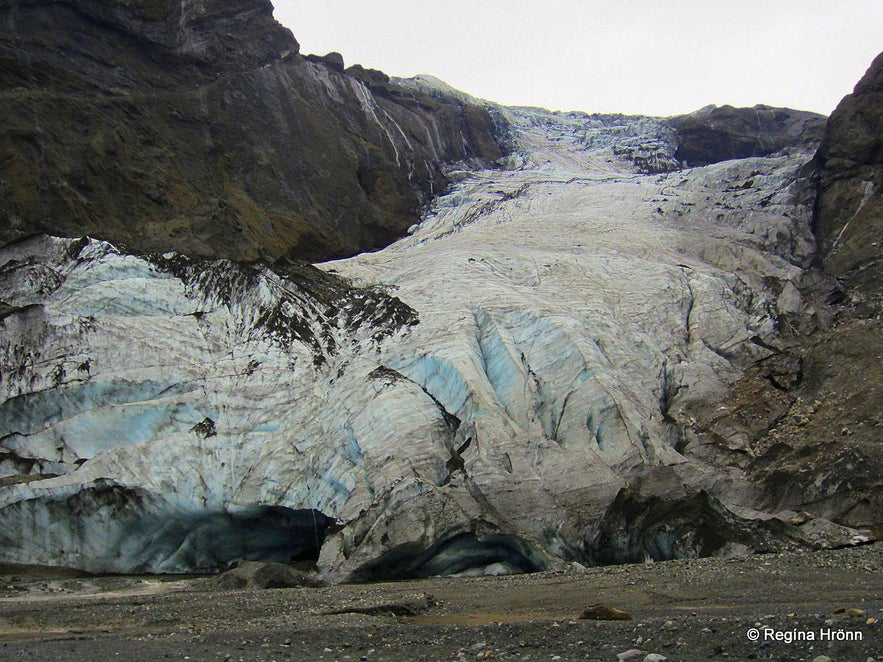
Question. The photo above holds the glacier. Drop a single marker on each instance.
(474, 398)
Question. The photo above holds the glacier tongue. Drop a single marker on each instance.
(470, 399)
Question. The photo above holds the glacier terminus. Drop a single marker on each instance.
(541, 372)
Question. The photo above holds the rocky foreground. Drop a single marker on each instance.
(826, 603)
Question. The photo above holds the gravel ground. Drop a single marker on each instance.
(814, 604)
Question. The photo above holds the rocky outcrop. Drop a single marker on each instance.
(198, 127)
(849, 212)
(637, 530)
(715, 134)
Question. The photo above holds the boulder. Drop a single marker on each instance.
(262, 575)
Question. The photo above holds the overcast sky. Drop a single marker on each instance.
(655, 57)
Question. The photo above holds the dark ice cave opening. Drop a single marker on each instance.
(285, 534)
(212, 541)
(459, 554)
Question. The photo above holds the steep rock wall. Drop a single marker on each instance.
(199, 127)
(849, 211)
(827, 446)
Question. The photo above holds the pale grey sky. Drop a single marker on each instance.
(656, 57)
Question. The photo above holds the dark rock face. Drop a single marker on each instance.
(824, 455)
(849, 211)
(117, 46)
(717, 134)
(658, 518)
(198, 127)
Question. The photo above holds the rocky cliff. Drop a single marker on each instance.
(827, 446)
(849, 214)
(197, 126)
